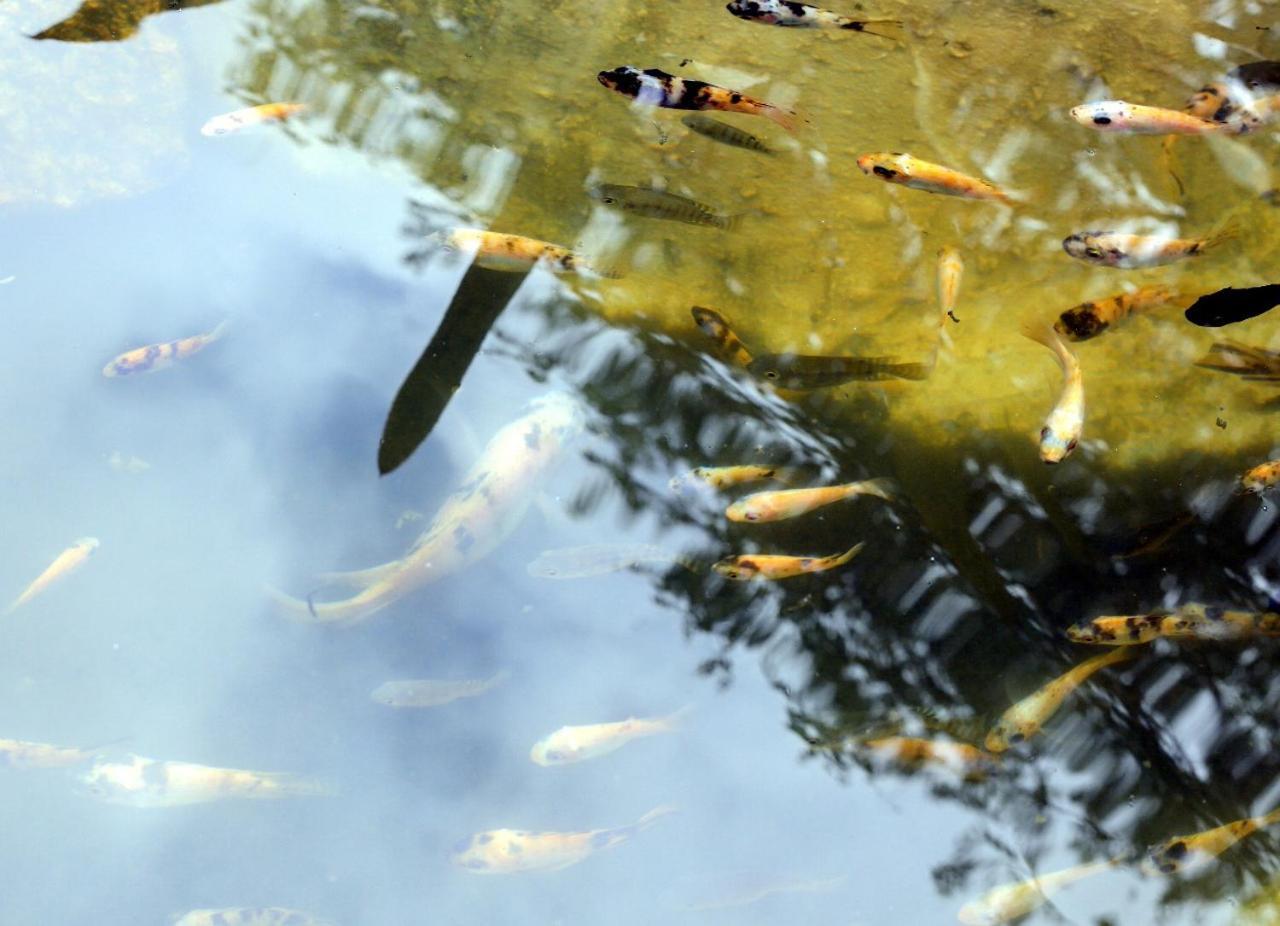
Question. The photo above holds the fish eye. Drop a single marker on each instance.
(1095, 253)
(1071, 445)
(1101, 120)
(462, 845)
(732, 573)
(886, 172)
(770, 374)
(1016, 737)
(1044, 433)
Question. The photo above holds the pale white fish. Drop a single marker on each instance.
(1010, 902)
(590, 741)
(1062, 429)
(432, 692)
(143, 782)
(249, 916)
(67, 561)
(599, 559)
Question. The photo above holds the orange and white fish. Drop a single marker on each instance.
(249, 916)
(910, 753)
(1062, 429)
(506, 851)
(499, 251)
(658, 88)
(1117, 116)
(1184, 853)
(143, 782)
(790, 503)
(802, 16)
(748, 566)
(1132, 252)
(67, 562)
(1261, 477)
(590, 741)
(491, 503)
(1024, 719)
(1090, 319)
(950, 274)
(158, 356)
(1010, 902)
(909, 171)
(1189, 622)
(254, 115)
(725, 477)
(23, 754)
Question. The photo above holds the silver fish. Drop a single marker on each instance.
(597, 559)
(433, 692)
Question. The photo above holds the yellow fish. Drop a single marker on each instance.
(143, 782)
(504, 852)
(1024, 719)
(1186, 852)
(970, 762)
(911, 172)
(725, 477)
(158, 356)
(950, 274)
(1090, 319)
(22, 754)
(430, 692)
(1009, 902)
(575, 744)
(250, 916)
(1130, 252)
(715, 326)
(68, 560)
(1192, 622)
(1117, 116)
(498, 251)
(748, 566)
(1062, 429)
(253, 115)
(790, 503)
(1261, 477)
(491, 502)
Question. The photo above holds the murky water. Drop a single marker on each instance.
(253, 465)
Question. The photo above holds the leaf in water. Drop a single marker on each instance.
(1228, 306)
(111, 20)
(422, 398)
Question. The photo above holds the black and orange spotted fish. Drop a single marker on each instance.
(1189, 622)
(158, 356)
(658, 88)
(802, 16)
(749, 566)
(1188, 852)
(715, 326)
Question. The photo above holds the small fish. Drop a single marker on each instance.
(1228, 306)
(515, 253)
(1252, 364)
(1117, 116)
(950, 273)
(1024, 719)
(746, 888)
(576, 744)
(789, 503)
(506, 851)
(916, 174)
(158, 356)
(1009, 902)
(24, 755)
(1090, 319)
(1062, 429)
(1130, 252)
(658, 88)
(800, 15)
(659, 204)
(432, 692)
(599, 559)
(806, 371)
(66, 562)
(906, 752)
(1188, 852)
(725, 134)
(132, 465)
(715, 326)
(249, 916)
(254, 115)
(1261, 477)
(143, 782)
(745, 567)
(1189, 622)
(725, 477)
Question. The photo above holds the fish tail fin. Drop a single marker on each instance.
(676, 719)
(347, 611)
(1044, 334)
(914, 371)
(883, 487)
(1228, 230)
(219, 330)
(497, 678)
(849, 554)
(789, 119)
(1170, 160)
(891, 33)
(653, 816)
(297, 786)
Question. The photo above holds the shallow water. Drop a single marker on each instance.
(126, 227)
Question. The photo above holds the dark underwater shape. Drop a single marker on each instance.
(805, 371)
(479, 300)
(1228, 306)
(111, 20)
